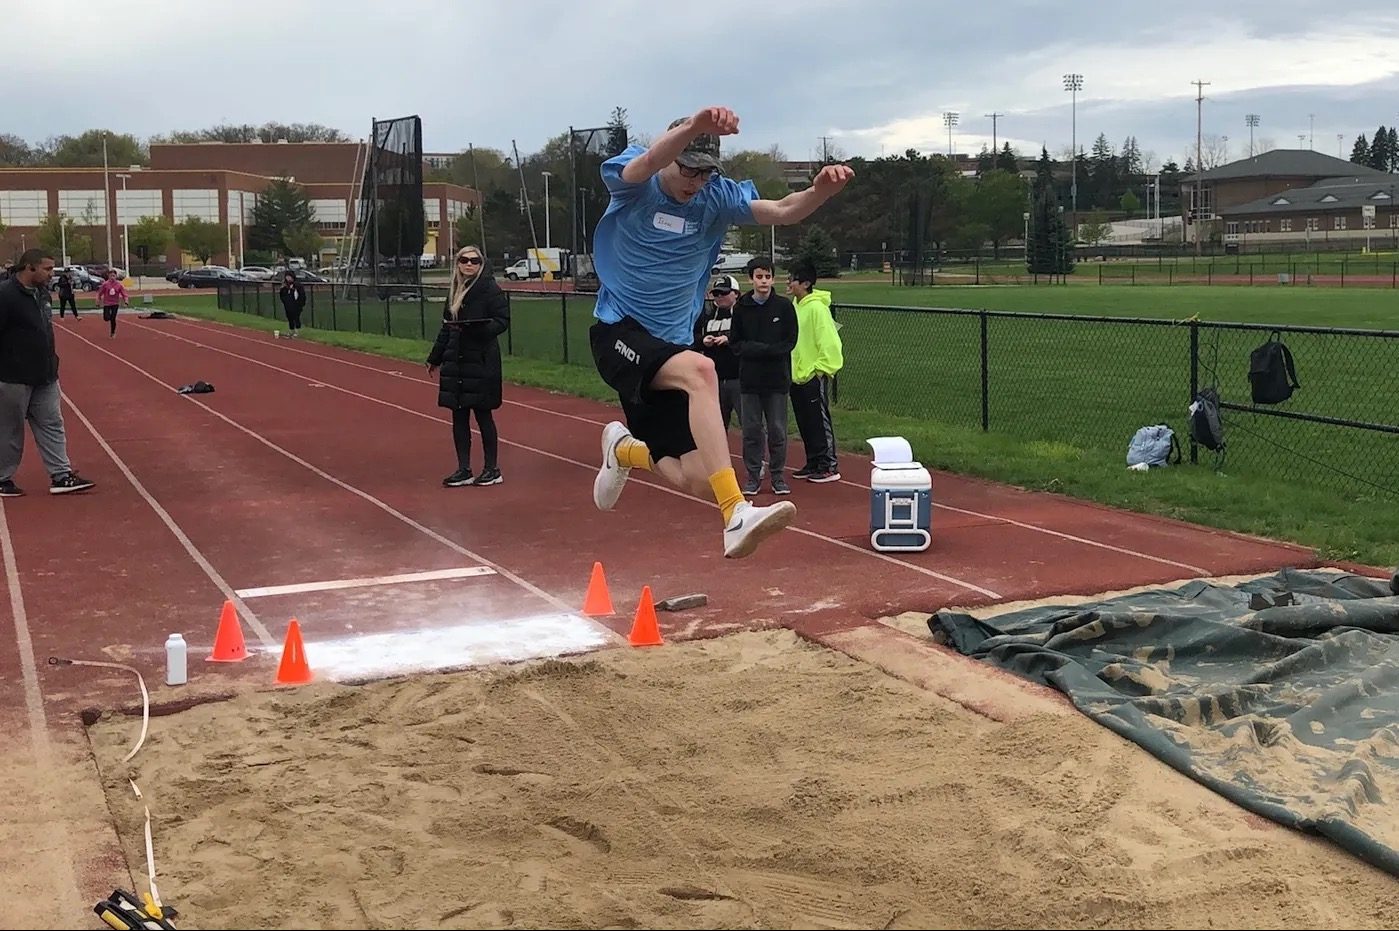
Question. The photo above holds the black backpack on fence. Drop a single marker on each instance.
(1205, 425)
(1271, 372)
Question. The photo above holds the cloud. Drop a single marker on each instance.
(870, 75)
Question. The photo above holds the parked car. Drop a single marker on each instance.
(207, 277)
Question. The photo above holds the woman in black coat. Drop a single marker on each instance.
(293, 297)
(468, 352)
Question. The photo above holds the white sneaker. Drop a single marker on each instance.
(750, 524)
(607, 487)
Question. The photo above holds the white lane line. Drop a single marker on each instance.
(1036, 528)
(263, 634)
(300, 588)
(366, 496)
(883, 557)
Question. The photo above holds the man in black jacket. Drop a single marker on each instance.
(712, 338)
(763, 335)
(29, 378)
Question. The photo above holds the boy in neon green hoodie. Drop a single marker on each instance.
(818, 356)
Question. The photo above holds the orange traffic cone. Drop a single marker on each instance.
(228, 641)
(598, 602)
(645, 632)
(293, 669)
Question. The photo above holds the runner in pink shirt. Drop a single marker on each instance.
(111, 294)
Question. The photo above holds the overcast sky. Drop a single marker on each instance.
(873, 76)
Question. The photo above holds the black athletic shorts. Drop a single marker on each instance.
(627, 358)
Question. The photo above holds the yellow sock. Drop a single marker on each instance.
(725, 485)
(633, 454)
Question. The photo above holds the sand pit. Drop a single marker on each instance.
(749, 781)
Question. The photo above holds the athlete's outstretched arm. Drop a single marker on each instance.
(795, 208)
(717, 121)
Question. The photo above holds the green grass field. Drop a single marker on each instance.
(1065, 396)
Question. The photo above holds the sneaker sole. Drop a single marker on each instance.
(494, 481)
(777, 519)
(65, 491)
(824, 479)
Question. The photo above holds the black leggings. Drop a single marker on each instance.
(461, 435)
(108, 313)
(293, 318)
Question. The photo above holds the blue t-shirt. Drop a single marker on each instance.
(653, 254)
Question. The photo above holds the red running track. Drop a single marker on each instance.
(310, 464)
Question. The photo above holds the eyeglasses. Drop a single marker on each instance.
(697, 172)
(719, 292)
(468, 260)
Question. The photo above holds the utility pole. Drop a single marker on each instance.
(1199, 168)
(825, 150)
(1311, 130)
(949, 119)
(1252, 121)
(994, 117)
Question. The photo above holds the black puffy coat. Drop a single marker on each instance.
(468, 348)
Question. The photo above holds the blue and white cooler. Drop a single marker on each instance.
(901, 498)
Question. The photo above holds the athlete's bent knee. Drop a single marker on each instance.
(691, 372)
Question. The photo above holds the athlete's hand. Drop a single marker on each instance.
(832, 179)
(715, 121)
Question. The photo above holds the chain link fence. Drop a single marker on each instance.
(1087, 381)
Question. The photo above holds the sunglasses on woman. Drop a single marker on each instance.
(468, 260)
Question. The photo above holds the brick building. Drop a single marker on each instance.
(217, 182)
(1292, 196)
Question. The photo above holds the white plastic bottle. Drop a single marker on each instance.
(176, 654)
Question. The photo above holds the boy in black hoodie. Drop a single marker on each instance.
(763, 335)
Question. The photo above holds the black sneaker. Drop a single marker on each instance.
(780, 487)
(63, 484)
(825, 475)
(8, 489)
(489, 477)
(805, 471)
(458, 478)
(751, 486)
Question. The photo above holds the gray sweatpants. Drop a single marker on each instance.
(40, 406)
(764, 417)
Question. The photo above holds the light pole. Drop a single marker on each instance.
(547, 175)
(107, 195)
(1251, 121)
(125, 240)
(950, 120)
(1073, 83)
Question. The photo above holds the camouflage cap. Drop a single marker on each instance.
(702, 152)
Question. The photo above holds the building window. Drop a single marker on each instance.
(1285, 225)
(329, 212)
(133, 205)
(85, 207)
(1368, 223)
(247, 200)
(1313, 224)
(24, 208)
(1340, 223)
(432, 211)
(203, 204)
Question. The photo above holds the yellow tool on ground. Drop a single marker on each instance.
(123, 912)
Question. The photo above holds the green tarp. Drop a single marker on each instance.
(1280, 693)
